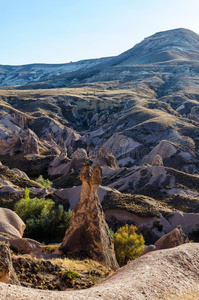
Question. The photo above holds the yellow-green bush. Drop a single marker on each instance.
(128, 244)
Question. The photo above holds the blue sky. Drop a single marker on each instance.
(59, 31)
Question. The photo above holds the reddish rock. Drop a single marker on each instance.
(172, 239)
(7, 273)
(88, 233)
(105, 158)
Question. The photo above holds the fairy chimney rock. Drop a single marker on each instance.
(157, 161)
(88, 234)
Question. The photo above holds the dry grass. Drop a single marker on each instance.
(138, 204)
(55, 274)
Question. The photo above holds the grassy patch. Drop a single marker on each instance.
(138, 204)
(57, 274)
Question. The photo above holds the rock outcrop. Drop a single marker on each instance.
(11, 219)
(172, 239)
(11, 232)
(169, 274)
(7, 273)
(164, 149)
(157, 161)
(106, 158)
(88, 233)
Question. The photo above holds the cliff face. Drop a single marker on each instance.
(89, 234)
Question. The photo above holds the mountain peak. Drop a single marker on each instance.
(176, 44)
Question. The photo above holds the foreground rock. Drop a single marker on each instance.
(11, 231)
(172, 239)
(169, 274)
(88, 233)
(7, 273)
(11, 223)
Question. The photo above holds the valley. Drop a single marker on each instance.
(136, 115)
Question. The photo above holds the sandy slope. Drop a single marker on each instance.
(166, 274)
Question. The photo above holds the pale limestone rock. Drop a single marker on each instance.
(157, 161)
(20, 173)
(170, 274)
(80, 153)
(165, 149)
(10, 217)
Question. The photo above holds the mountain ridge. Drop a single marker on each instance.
(170, 46)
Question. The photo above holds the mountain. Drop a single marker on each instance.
(171, 47)
(142, 106)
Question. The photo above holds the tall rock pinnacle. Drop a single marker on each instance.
(88, 233)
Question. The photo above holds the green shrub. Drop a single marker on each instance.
(128, 244)
(45, 182)
(69, 275)
(43, 221)
(111, 232)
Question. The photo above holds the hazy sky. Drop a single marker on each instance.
(58, 31)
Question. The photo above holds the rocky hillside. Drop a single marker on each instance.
(165, 274)
(136, 114)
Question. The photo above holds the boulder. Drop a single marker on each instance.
(7, 273)
(9, 230)
(80, 153)
(106, 158)
(148, 249)
(157, 161)
(172, 239)
(89, 233)
(164, 149)
(21, 245)
(30, 144)
(9, 217)
(25, 245)
(20, 173)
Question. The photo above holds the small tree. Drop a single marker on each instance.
(128, 244)
(45, 182)
(43, 220)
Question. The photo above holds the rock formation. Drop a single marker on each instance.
(172, 239)
(7, 273)
(30, 144)
(80, 153)
(157, 161)
(11, 232)
(20, 173)
(7, 216)
(168, 274)
(105, 158)
(88, 233)
(164, 149)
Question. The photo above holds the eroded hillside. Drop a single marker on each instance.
(136, 114)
